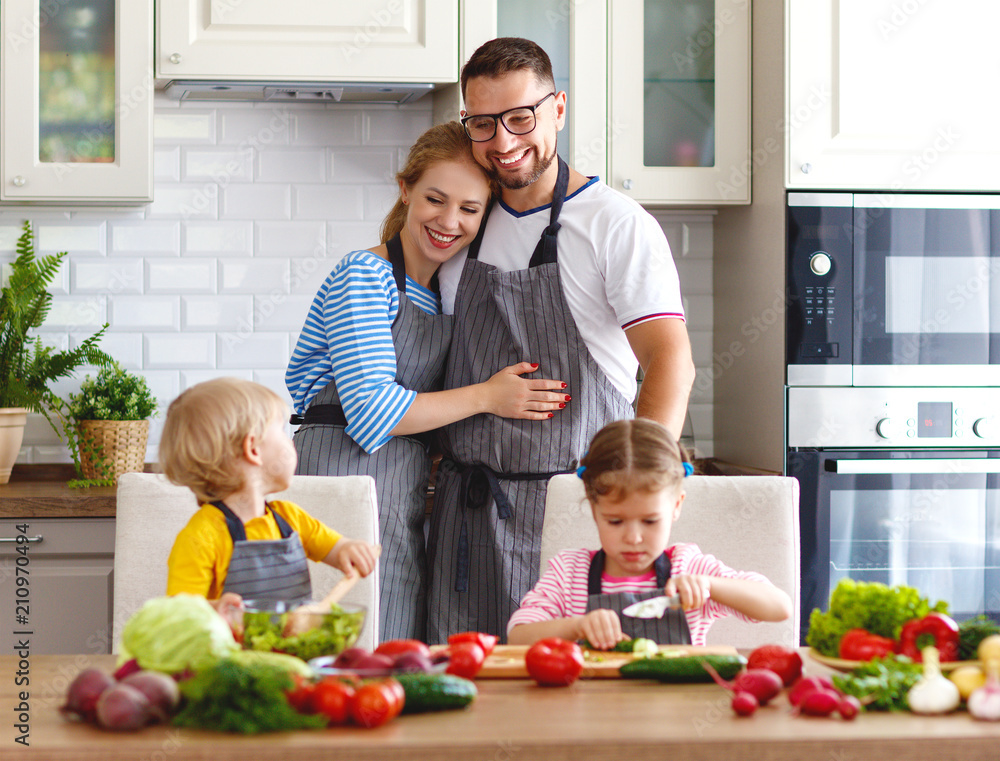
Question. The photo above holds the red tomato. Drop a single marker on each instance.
(398, 692)
(554, 662)
(333, 698)
(466, 658)
(783, 661)
(395, 647)
(486, 641)
(300, 695)
(374, 704)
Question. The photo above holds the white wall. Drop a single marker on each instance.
(254, 204)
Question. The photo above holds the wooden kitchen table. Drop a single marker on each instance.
(511, 720)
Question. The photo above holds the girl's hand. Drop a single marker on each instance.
(230, 606)
(352, 556)
(511, 396)
(695, 591)
(602, 628)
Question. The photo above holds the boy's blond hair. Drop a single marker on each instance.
(202, 441)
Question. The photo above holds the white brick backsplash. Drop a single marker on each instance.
(353, 236)
(255, 128)
(379, 200)
(254, 276)
(274, 380)
(701, 347)
(8, 237)
(695, 276)
(167, 164)
(145, 238)
(180, 276)
(77, 312)
(286, 312)
(257, 350)
(393, 127)
(256, 202)
(218, 165)
(291, 238)
(328, 202)
(146, 312)
(334, 127)
(216, 312)
(184, 127)
(76, 239)
(179, 351)
(124, 347)
(106, 276)
(193, 377)
(165, 385)
(185, 201)
(292, 166)
(307, 275)
(362, 167)
(698, 312)
(218, 239)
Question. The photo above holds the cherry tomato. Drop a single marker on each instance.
(333, 698)
(398, 692)
(395, 647)
(486, 641)
(554, 662)
(374, 704)
(301, 694)
(466, 659)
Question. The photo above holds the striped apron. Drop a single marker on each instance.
(400, 467)
(268, 569)
(485, 528)
(669, 629)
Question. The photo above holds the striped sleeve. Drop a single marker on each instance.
(347, 338)
(561, 591)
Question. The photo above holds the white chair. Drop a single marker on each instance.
(751, 523)
(151, 511)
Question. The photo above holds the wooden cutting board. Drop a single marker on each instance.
(507, 661)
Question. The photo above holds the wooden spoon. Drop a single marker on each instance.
(305, 617)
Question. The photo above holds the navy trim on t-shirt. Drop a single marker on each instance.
(590, 181)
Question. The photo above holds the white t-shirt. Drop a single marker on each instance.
(615, 265)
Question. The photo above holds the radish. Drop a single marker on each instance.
(821, 702)
(763, 684)
(848, 707)
(744, 704)
(805, 685)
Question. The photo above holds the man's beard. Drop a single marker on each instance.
(523, 181)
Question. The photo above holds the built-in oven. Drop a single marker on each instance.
(893, 289)
(900, 486)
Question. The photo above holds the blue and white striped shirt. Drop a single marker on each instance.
(347, 339)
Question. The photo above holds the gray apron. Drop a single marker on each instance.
(267, 569)
(486, 524)
(671, 629)
(400, 467)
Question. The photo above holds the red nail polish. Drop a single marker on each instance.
(534, 364)
(551, 414)
(568, 397)
(561, 405)
(563, 385)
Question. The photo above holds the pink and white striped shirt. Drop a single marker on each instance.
(561, 592)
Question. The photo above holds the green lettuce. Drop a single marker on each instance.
(175, 634)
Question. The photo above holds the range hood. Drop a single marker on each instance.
(365, 93)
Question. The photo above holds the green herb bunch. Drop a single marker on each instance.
(881, 684)
(115, 394)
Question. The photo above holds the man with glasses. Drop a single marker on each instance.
(566, 273)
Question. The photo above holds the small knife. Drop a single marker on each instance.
(654, 607)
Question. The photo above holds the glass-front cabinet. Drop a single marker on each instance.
(659, 90)
(77, 101)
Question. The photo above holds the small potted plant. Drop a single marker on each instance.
(27, 366)
(108, 424)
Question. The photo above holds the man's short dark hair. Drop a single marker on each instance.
(505, 55)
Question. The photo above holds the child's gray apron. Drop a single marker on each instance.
(400, 467)
(671, 629)
(489, 500)
(266, 569)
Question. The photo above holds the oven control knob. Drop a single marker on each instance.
(982, 428)
(885, 428)
(820, 263)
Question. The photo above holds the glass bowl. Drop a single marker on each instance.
(266, 626)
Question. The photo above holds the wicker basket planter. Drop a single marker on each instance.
(121, 443)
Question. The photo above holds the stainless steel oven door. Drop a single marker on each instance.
(929, 519)
(926, 290)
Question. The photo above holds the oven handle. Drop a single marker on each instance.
(878, 467)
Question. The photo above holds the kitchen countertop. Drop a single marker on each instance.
(40, 491)
(513, 720)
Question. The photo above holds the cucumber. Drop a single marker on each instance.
(686, 668)
(435, 692)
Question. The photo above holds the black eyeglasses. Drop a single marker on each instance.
(517, 121)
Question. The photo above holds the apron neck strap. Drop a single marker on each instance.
(545, 249)
(478, 241)
(661, 566)
(398, 262)
(238, 532)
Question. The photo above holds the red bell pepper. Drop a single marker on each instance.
(862, 645)
(938, 626)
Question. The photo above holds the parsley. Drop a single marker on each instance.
(881, 684)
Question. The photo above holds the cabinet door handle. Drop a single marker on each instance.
(13, 539)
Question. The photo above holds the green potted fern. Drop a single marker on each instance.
(27, 366)
(108, 425)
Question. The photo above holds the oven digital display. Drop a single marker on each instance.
(934, 420)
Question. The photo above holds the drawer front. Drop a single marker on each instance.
(59, 536)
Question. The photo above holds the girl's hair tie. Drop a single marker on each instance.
(581, 468)
(688, 469)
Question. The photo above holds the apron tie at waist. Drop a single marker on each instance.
(477, 483)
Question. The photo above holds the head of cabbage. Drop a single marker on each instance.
(174, 634)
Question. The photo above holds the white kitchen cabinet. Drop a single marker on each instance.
(56, 584)
(77, 101)
(307, 40)
(659, 91)
(890, 95)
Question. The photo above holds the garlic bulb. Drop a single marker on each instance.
(984, 703)
(934, 692)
